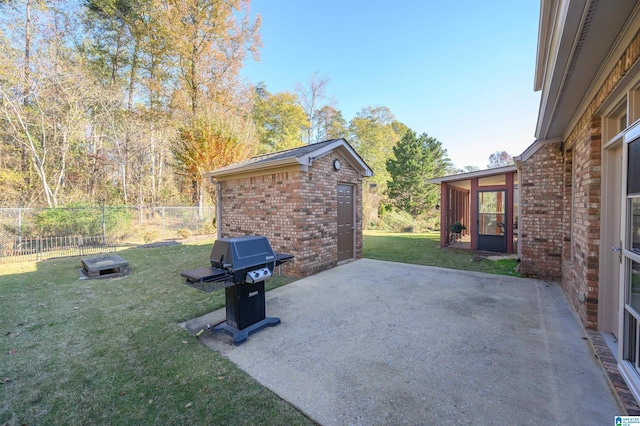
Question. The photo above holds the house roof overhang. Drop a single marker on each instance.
(294, 159)
(579, 42)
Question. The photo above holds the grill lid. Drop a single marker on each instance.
(239, 253)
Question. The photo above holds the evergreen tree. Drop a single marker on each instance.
(417, 159)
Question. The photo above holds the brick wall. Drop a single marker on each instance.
(575, 261)
(296, 210)
(581, 270)
(541, 213)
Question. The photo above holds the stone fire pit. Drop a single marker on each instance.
(107, 266)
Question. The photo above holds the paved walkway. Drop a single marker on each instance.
(374, 342)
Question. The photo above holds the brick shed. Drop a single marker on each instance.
(306, 200)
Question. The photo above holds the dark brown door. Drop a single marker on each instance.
(346, 227)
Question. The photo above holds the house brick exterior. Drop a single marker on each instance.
(296, 209)
(541, 213)
(588, 72)
(561, 193)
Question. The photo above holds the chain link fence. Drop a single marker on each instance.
(36, 234)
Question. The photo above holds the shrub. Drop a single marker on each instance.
(184, 233)
(457, 228)
(80, 219)
(72, 219)
(396, 221)
(150, 236)
(208, 228)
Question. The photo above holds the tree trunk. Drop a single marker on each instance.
(27, 53)
(194, 84)
(24, 154)
(194, 192)
(132, 75)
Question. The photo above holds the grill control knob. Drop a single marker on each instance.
(266, 272)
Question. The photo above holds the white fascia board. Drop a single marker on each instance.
(545, 30)
(535, 147)
(471, 175)
(320, 152)
(354, 159)
(251, 167)
(561, 47)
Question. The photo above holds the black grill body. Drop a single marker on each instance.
(240, 265)
(245, 305)
(241, 253)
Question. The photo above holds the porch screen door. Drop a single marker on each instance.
(492, 215)
(630, 268)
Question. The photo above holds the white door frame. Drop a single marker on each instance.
(609, 281)
(628, 369)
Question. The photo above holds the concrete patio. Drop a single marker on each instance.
(374, 342)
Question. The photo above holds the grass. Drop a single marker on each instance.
(113, 352)
(424, 249)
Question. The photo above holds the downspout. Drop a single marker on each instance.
(519, 172)
(218, 204)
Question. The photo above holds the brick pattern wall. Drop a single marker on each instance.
(580, 203)
(296, 210)
(540, 224)
(567, 218)
(581, 271)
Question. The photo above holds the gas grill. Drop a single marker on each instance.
(240, 266)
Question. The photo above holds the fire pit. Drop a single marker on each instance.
(240, 266)
(107, 266)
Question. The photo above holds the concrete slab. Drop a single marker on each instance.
(373, 342)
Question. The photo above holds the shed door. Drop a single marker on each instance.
(346, 227)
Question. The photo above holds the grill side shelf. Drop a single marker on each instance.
(282, 258)
(207, 278)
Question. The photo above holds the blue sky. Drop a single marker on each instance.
(461, 71)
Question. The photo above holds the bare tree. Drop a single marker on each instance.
(500, 159)
(310, 98)
(51, 125)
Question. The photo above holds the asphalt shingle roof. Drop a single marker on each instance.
(272, 157)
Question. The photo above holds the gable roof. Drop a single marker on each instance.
(302, 156)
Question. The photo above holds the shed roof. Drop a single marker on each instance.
(302, 156)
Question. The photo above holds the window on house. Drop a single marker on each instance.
(622, 123)
(633, 192)
(633, 180)
(634, 106)
(615, 122)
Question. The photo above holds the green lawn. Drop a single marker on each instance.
(113, 352)
(424, 249)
